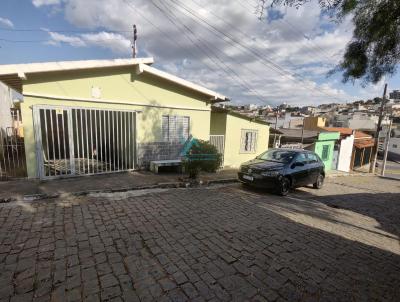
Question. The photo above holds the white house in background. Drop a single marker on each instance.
(358, 120)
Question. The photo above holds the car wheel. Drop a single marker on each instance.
(319, 183)
(284, 186)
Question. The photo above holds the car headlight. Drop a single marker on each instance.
(270, 173)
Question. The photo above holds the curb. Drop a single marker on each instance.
(168, 185)
(350, 175)
(389, 177)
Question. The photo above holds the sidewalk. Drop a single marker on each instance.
(118, 182)
(20, 189)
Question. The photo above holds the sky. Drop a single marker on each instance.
(221, 44)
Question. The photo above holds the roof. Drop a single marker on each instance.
(13, 75)
(215, 97)
(298, 133)
(347, 131)
(239, 115)
(274, 131)
(364, 143)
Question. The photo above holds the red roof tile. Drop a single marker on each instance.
(347, 131)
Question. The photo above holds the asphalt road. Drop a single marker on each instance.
(392, 169)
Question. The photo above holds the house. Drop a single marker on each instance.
(274, 138)
(321, 142)
(314, 122)
(284, 120)
(243, 137)
(361, 149)
(102, 116)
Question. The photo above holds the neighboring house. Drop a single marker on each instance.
(244, 137)
(321, 142)
(361, 152)
(314, 122)
(274, 138)
(102, 116)
(286, 120)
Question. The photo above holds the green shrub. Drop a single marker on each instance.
(202, 157)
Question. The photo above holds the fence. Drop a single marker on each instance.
(12, 154)
(82, 141)
(219, 142)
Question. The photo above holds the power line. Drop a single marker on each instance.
(265, 61)
(167, 36)
(243, 34)
(204, 47)
(58, 30)
(293, 29)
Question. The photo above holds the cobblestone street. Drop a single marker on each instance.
(223, 243)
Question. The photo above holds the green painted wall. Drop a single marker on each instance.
(120, 88)
(233, 129)
(326, 140)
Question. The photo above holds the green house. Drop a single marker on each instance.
(321, 142)
(324, 146)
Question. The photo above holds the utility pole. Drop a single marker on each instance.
(378, 129)
(276, 124)
(134, 38)
(386, 149)
(302, 134)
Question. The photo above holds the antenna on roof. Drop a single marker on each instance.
(134, 38)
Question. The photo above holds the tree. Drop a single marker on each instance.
(374, 50)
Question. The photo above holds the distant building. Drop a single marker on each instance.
(285, 121)
(394, 95)
(314, 122)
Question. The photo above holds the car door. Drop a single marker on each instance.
(314, 167)
(299, 170)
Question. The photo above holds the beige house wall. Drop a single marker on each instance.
(120, 89)
(233, 156)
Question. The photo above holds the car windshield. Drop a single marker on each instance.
(282, 156)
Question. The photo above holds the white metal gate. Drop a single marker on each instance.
(219, 142)
(83, 141)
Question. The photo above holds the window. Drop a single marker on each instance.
(248, 141)
(394, 146)
(312, 158)
(302, 158)
(175, 128)
(282, 156)
(325, 152)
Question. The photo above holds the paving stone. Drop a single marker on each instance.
(167, 284)
(220, 243)
(108, 281)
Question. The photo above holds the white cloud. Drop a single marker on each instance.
(117, 43)
(6, 22)
(39, 3)
(57, 39)
(211, 60)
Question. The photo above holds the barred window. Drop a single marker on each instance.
(248, 141)
(325, 152)
(175, 128)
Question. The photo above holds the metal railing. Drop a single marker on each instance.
(12, 154)
(84, 141)
(219, 142)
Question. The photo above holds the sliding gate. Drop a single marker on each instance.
(83, 141)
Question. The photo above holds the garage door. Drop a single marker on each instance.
(83, 141)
